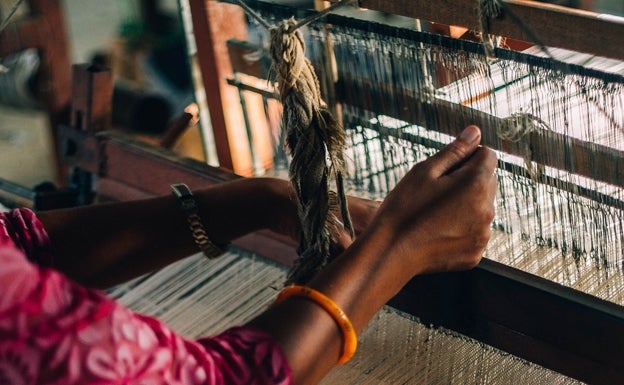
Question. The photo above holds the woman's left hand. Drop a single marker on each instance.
(362, 212)
(286, 222)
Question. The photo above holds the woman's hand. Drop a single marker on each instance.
(362, 212)
(438, 217)
(286, 222)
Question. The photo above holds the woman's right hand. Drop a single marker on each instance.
(438, 217)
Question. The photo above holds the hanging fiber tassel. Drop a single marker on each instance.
(488, 9)
(316, 142)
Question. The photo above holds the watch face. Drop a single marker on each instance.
(181, 190)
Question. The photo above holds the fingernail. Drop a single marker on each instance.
(469, 135)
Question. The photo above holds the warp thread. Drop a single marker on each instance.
(316, 142)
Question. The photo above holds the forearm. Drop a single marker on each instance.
(360, 281)
(101, 245)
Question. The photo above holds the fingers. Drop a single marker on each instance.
(458, 151)
(483, 161)
(480, 170)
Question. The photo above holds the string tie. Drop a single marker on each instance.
(515, 128)
(488, 9)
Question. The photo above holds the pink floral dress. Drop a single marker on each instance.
(54, 331)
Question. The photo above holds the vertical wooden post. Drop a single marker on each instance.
(91, 111)
(55, 57)
(92, 100)
(214, 23)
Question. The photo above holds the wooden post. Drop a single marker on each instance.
(214, 24)
(92, 98)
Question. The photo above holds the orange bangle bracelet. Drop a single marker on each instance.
(348, 332)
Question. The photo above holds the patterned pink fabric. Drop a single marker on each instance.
(54, 331)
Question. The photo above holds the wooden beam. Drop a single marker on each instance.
(55, 54)
(554, 326)
(553, 25)
(214, 24)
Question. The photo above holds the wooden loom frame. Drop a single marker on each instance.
(553, 25)
(524, 315)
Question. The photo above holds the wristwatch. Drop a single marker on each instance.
(190, 208)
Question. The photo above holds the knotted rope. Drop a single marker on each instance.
(316, 142)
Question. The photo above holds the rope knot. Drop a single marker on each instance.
(316, 142)
(515, 128)
(518, 125)
(288, 56)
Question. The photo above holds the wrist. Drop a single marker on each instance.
(392, 259)
(369, 269)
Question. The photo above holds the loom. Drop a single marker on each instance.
(544, 306)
